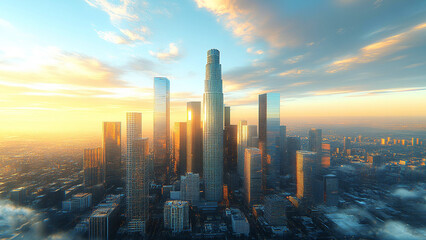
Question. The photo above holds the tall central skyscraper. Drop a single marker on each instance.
(111, 144)
(315, 140)
(161, 125)
(269, 139)
(213, 128)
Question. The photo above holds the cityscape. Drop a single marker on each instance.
(92, 148)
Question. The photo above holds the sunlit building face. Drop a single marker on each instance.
(161, 122)
(179, 147)
(305, 166)
(252, 175)
(94, 167)
(194, 138)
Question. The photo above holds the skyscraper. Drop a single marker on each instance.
(306, 168)
(111, 144)
(227, 116)
(138, 186)
(134, 131)
(213, 128)
(230, 156)
(326, 155)
(315, 139)
(283, 151)
(93, 167)
(251, 136)
(252, 175)
(161, 126)
(331, 190)
(194, 143)
(293, 145)
(346, 145)
(242, 144)
(269, 139)
(179, 147)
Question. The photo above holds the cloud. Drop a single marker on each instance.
(119, 11)
(168, 55)
(398, 230)
(292, 72)
(374, 51)
(112, 37)
(258, 52)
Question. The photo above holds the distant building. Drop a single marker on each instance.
(176, 216)
(93, 167)
(306, 169)
(326, 155)
(111, 145)
(252, 136)
(293, 145)
(226, 116)
(253, 176)
(230, 148)
(161, 126)
(275, 209)
(242, 144)
(194, 144)
(315, 140)
(78, 202)
(104, 220)
(331, 190)
(18, 195)
(179, 147)
(269, 139)
(190, 187)
(283, 151)
(375, 159)
(346, 144)
(240, 225)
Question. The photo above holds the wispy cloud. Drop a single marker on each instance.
(377, 50)
(168, 55)
(122, 10)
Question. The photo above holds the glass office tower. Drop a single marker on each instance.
(179, 147)
(213, 128)
(111, 144)
(194, 147)
(138, 186)
(94, 167)
(252, 176)
(161, 125)
(134, 131)
(315, 140)
(269, 139)
(306, 168)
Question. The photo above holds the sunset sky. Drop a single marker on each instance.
(66, 66)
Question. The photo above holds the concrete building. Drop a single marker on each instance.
(275, 209)
(306, 170)
(331, 190)
(78, 202)
(93, 167)
(104, 220)
(315, 140)
(240, 225)
(176, 216)
(253, 176)
(190, 187)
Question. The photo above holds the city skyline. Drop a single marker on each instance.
(84, 82)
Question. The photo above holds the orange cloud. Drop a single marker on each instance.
(377, 50)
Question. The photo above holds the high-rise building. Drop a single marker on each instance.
(242, 144)
(275, 209)
(111, 146)
(375, 159)
(269, 139)
(104, 220)
(252, 176)
(346, 144)
(176, 216)
(315, 140)
(326, 155)
(161, 126)
(306, 169)
(293, 145)
(230, 156)
(93, 167)
(138, 186)
(331, 190)
(194, 143)
(251, 136)
(226, 116)
(179, 147)
(213, 128)
(190, 187)
(283, 151)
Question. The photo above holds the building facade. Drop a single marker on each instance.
(194, 147)
(176, 216)
(213, 128)
(253, 176)
(306, 170)
(93, 167)
(190, 187)
(179, 147)
(111, 145)
(161, 126)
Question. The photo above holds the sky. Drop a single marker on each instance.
(67, 66)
